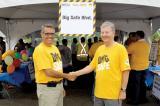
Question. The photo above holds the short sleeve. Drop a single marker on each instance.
(124, 60)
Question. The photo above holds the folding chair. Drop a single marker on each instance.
(4, 91)
(7, 81)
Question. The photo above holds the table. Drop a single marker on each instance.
(156, 86)
(156, 82)
(18, 76)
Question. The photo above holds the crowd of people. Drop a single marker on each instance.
(117, 71)
(10, 60)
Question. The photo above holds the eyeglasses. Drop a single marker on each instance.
(47, 34)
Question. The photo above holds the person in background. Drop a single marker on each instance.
(1, 87)
(66, 58)
(3, 45)
(57, 43)
(74, 52)
(89, 43)
(82, 53)
(0, 55)
(95, 39)
(116, 38)
(20, 45)
(131, 39)
(83, 82)
(93, 48)
(111, 65)
(139, 60)
(65, 53)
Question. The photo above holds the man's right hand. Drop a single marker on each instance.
(72, 76)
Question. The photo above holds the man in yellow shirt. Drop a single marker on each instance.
(139, 60)
(48, 70)
(112, 67)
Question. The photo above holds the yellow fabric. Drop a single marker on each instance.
(93, 48)
(158, 49)
(46, 58)
(82, 55)
(0, 57)
(1, 69)
(109, 63)
(139, 55)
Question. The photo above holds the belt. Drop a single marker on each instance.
(51, 82)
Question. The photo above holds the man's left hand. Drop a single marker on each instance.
(122, 95)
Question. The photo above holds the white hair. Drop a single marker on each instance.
(108, 24)
(46, 26)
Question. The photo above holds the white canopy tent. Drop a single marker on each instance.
(11, 3)
(2, 34)
(21, 17)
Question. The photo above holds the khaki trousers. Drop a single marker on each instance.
(50, 96)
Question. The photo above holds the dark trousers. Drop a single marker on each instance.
(1, 88)
(136, 89)
(74, 60)
(85, 81)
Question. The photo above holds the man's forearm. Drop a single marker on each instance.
(55, 74)
(60, 75)
(125, 76)
(83, 71)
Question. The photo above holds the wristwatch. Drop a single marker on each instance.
(122, 89)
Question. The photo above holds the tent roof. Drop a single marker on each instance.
(48, 9)
(10, 3)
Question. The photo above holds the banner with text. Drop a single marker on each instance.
(77, 18)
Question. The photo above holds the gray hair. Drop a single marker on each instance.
(46, 26)
(108, 24)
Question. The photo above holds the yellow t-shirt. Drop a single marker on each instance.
(139, 52)
(109, 63)
(45, 57)
(93, 48)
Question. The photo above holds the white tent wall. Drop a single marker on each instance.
(4, 31)
(18, 29)
(3, 26)
(155, 24)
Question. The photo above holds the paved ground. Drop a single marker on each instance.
(75, 97)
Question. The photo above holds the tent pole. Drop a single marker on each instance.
(151, 24)
(7, 33)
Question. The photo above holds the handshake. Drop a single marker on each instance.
(71, 76)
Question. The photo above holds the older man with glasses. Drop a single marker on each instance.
(48, 70)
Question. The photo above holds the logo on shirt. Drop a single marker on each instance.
(55, 57)
(56, 61)
(103, 63)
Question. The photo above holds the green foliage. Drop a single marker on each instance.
(156, 36)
